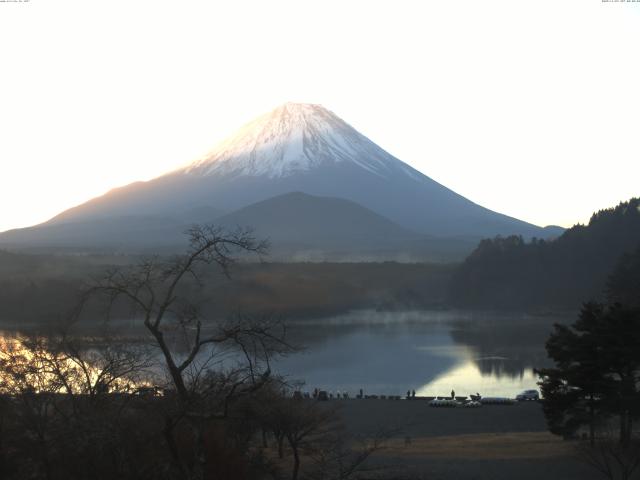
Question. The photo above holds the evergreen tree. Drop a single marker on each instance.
(574, 391)
(623, 285)
(597, 371)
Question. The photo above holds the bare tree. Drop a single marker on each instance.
(205, 380)
(303, 424)
(613, 459)
(312, 432)
(340, 457)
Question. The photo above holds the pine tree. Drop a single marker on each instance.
(597, 371)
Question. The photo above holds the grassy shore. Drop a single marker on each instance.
(488, 443)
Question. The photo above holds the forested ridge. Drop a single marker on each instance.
(510, 273)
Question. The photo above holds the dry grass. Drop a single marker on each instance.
(494, 446)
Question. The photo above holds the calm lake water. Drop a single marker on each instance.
(388, 353)
(429, 352)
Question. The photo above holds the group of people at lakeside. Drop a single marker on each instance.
(318, 394)
(412, 394)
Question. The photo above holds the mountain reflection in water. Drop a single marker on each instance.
(429, 352)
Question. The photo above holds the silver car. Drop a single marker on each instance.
(528, 395)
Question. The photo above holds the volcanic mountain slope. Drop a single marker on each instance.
(124, 232)
(299, 227)
(295, 148)
(134, 233)
(305, 148)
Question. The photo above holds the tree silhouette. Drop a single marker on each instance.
(597, 371)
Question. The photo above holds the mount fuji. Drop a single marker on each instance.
(295, 148)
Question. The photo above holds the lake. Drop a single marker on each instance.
(430, 352)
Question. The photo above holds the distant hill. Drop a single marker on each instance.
(303, 227)
(300, 219)
(512, 273)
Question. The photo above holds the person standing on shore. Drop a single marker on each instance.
(453, 394)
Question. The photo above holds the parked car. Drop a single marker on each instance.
(528, 395)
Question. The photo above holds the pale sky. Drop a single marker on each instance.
(530, 108)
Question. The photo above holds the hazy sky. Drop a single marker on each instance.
(530, 108)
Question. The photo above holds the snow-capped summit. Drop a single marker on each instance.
(293, 137)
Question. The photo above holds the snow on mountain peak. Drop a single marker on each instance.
(294, 137)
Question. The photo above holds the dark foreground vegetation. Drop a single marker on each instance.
(194, 399)
(72, 413)
(514, 274)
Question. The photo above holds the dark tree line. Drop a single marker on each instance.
(39, 289)
(512, 273)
